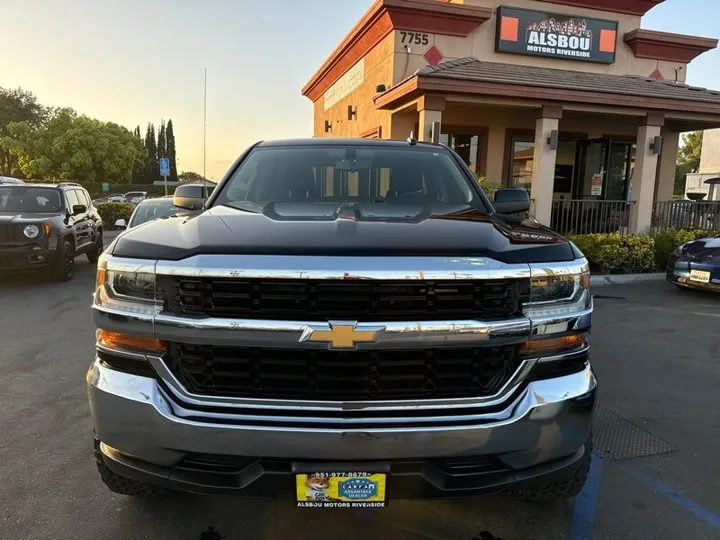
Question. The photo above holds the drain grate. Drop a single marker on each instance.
(616, 438)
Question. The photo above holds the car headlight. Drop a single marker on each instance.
(559, 289)
(682, 248)
(126, 286)
(31, 231)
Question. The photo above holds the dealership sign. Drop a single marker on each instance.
(538, 33)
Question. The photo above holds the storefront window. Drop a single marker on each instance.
(522, 153)
(467, 146)
(622, 161)
(565, 169)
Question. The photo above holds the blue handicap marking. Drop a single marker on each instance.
(164, 167)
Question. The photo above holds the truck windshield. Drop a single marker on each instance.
(389, 175)
(29, 199)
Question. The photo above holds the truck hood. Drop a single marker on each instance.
(332, 230)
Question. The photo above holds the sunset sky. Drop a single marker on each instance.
(138, 61)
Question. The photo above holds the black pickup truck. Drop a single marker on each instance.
(346, 322)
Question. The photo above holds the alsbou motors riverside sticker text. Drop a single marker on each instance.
(538, 33)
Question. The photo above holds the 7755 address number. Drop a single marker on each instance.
(414, 38)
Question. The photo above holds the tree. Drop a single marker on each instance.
(161, 141)
(152, 168)
(688, 159)
(689, 154)
(18, 105)
(190, 176)
(72, 147)
(141, 161)
(171, 152)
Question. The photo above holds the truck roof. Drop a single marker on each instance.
(344, 142)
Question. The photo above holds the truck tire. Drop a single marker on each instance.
(565, 489)
(125, 486)
(64, 268)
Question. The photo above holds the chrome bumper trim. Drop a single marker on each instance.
(557, 324)
(281, 334)
(342, 268)
(134, 415)
(179, 394)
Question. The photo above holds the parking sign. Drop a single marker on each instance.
(164, 166)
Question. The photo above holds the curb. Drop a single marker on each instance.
(625, 279)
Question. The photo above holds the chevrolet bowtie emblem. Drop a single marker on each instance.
(341, 335)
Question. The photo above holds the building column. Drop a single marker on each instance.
(430, 109)
(643, 182)
(668, 165)
(543, 173)
(495, 155)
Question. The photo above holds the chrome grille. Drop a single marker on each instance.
(358, 300)
(343, 375)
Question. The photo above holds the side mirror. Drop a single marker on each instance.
(188, 203)
(79, 209)
(121, 224)
(511, 201)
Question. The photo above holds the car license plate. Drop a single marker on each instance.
(341, 490)
(699, 275)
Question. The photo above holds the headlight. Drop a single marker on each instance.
(31, 231)
(133, 285)
(557, 289)
(682, 248)
(127, 286)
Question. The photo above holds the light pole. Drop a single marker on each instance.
(205, 126)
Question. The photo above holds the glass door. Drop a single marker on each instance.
(593, 157)
(468, 146)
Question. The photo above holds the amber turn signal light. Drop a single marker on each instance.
(117, 340)
(553, 344)
(101, 277)
(47, 228)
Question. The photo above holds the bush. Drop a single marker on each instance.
(110, 212)
(666, 242)
(617, 254)
(488, 186)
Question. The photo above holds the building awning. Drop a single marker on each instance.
(472, 76)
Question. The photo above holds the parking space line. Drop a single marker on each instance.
(691, 506)
(585, 503)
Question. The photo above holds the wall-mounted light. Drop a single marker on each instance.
(352, 112)
(656, 145)
(380, 88)
(328, 126)
(553, 139)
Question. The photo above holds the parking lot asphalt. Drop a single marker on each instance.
(656, 353)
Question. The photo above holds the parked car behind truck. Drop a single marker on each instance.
(150, 210)
(347, 322)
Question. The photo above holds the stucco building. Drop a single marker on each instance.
(571, 99)
(709, 168)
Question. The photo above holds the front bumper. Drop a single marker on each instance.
(25, 257)
(146, 434)
(678, 272)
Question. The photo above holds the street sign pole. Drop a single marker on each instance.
(164, 171)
